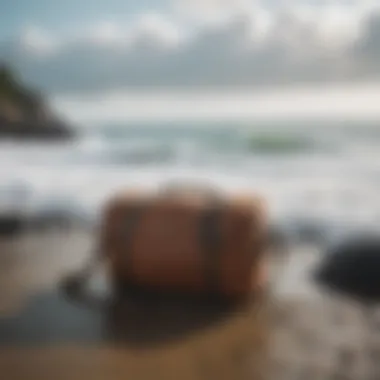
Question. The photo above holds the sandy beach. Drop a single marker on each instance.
(294, 332)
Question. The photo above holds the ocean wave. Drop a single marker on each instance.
(99, 152)
(156, 144)
(284, 144)
(270, 161)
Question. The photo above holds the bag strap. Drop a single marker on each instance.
(210, 236)
(127, 232)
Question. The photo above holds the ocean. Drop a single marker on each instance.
(326, 173)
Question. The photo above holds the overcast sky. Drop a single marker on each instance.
(87, 45)
(163, 46)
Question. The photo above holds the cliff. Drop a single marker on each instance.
(24, 114)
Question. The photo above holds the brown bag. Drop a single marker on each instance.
(200, 242)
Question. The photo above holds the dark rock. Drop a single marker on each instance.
(23, 112)
(352, 268)
(32, 130)
(11, 225)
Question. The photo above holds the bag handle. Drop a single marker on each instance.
(73, 285)
(175, 189)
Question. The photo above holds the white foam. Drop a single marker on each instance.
(324, 187)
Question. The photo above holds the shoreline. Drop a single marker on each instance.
(295, 332)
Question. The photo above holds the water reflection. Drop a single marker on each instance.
(139, 319)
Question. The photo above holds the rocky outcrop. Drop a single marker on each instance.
(24, 114)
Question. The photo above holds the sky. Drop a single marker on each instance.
(62, 16)
(66, 48)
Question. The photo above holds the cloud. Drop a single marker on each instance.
(37, 42)
(370, 43)
(213, 43)
(156, 30)
(210, 11)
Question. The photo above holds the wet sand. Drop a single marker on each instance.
(294, 333)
